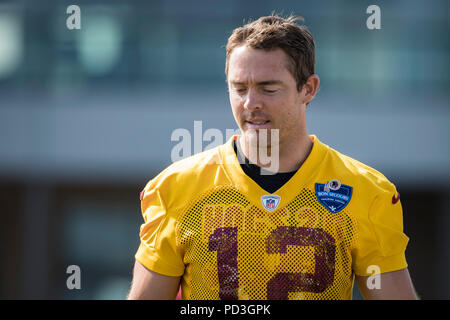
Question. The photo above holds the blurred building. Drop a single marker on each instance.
(86, 118)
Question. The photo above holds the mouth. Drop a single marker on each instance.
(258, 124)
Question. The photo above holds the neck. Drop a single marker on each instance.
(291, 154)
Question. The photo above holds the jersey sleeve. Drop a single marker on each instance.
(158, 250)
(382, 242)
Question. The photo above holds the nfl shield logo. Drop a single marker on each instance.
(333, 195)
(270, 202)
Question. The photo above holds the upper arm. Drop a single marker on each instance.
(381, 240)
(150, 285)
(159, 261)
(395, 285)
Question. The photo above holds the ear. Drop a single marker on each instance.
(310, 88)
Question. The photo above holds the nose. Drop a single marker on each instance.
(252, 100)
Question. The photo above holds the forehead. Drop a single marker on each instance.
(247, 64)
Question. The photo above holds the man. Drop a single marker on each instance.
(224, 226)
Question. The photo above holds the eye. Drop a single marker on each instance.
(270, 90)
(240, 90)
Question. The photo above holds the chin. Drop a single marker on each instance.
(257, 138)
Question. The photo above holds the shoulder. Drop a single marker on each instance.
(362, 176)
(186, 178)
(190, 167)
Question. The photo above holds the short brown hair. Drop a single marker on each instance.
(272, 32)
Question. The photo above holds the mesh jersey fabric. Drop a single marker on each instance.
(204, 221)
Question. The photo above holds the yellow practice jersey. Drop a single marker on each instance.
(208, 222)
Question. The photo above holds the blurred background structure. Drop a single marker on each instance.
(86, 118)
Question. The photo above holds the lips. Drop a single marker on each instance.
(257, 123)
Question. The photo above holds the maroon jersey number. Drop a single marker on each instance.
(224, 241)
(324, 254)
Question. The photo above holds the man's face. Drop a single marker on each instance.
(263, 94)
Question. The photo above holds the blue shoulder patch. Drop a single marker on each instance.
(333, 195)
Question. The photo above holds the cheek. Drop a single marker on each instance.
(236, 104)
(281, 106)
(236, 108)
(287, 112)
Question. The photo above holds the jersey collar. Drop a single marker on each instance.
(289, 190)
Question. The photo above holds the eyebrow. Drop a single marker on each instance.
(261, 83)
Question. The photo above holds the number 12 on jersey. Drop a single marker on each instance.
(225, 242)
